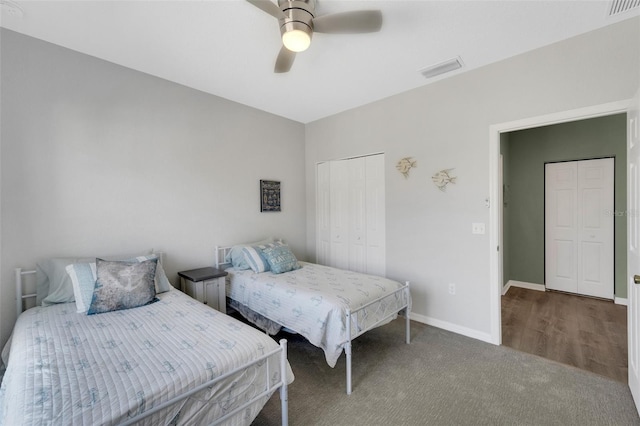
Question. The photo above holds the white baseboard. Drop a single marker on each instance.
(542, 287)
(522, 284)
(454, 328)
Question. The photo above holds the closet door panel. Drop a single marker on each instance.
(375, 223)
(357, 215)
(596, 227)
(323, 214)
(339, 211)
(561, 227)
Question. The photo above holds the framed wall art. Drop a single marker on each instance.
(269, 196)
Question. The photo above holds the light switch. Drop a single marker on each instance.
(477, 228)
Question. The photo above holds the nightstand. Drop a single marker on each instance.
(206, 285)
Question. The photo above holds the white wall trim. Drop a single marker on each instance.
(495, 213)
(621, 301)
(523, 284)
(454, 328)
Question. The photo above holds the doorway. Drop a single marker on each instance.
(510, 193)
(548, 237)
(496, 133)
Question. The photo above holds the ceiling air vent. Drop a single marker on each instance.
(443, 67)
(621, 6)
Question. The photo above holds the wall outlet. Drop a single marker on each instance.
(452, 288)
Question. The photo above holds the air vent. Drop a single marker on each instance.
(621, 6)
(443, 67)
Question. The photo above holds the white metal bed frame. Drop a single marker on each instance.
(351, 317)
(269, 388)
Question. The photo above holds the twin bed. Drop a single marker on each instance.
(174, 361)
(177, 361)
(329, 307)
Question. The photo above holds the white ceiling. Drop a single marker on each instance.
(228, 47)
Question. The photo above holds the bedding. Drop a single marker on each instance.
(68, 368)
(312, 301)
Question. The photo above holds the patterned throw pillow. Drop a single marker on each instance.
(83, 279)
(123, 285)
(280, 259)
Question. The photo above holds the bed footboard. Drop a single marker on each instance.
(269, 389)
(354, 320)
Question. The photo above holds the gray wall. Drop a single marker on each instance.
(529, 150)
(98, 159)
(447, 124)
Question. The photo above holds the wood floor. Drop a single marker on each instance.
(587, 333)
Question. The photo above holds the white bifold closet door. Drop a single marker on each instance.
(351, 214)
(579, 231)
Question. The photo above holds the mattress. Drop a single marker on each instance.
(67, 368)
(313, 300)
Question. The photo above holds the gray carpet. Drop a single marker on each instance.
(442, 378)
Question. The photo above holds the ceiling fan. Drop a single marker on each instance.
(298, 22)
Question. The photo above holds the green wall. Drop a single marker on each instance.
(525, 152)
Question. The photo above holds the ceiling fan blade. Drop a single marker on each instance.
(269, 7)
(357, 21)
(284, 60)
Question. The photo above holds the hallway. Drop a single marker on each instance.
(584, 332)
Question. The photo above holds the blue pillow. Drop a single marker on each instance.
(280, 259)
(83, 279)
(236, 255)
(255, 259)
(123, 285)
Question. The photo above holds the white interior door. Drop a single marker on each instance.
(561, 228)
(579, 253)
(595, 227)
(633, 257)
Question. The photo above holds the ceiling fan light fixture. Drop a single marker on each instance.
(296, 40)
(296, 35)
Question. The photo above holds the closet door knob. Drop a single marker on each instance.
(636, 279)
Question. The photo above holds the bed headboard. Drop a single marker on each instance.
(21, 274)
(21, 297)
(221, 255)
